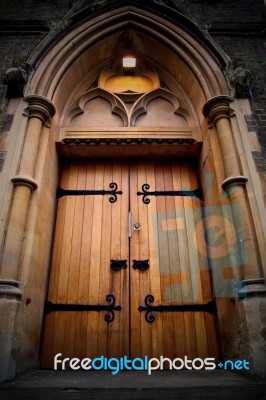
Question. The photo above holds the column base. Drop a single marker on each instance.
(252, 287)
(9, 289)
(253, 328)
(253, 316)
(10, 300)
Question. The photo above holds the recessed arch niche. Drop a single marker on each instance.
(135, 98)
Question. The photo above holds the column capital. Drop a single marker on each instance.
(218, 107)
(234, 180)
(23, 180)
(40, 107)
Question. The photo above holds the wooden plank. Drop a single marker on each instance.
(59, 234)
(204, 283)
(135, 295)
(144, 276)
(205, 327)
(80, 345)
(190, 226)
(69, 333)
(119, 230)
(115, 285)
(74, 274)
(164, 261)
(172, 294)
(201, 334)
(124, 315)
(95, 265)
(182, 244)
(169, 334)
(58, 344)
(105, 257)
(180, 335)
(155, 277)
(85, 243)
(190, 319)
(145, 343)
(190, 335)
(62, 295)
(48, 338)
(83, 338)
(163, 253)
(211, 336)
(50, 320)
(74, 263)
(182, 238)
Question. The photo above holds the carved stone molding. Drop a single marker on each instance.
(40, 107)
(9, 288)
(179, 106)
(239, 78)
(234, 180)
(22, 180)
(218, 107)
(253, 287)
(117, 105)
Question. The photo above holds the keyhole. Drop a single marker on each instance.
(137, 226)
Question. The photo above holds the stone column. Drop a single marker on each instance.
(252, 294)
(40, 110)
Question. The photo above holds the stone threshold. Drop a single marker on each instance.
(181, 385)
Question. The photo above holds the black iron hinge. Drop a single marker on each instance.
(114, 192)
(149, 309)
(188, 193)
(109, 308)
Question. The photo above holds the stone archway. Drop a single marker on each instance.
(64, 74)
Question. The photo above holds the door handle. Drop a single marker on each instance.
(117, 265)
(142, 265)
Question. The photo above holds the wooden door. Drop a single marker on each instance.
(92, 230)
(178, 275)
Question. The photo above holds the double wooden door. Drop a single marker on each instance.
(127, 237)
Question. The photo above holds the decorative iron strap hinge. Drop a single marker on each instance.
(109, 308)
(145, 187)
(114, 192)
(209, 308)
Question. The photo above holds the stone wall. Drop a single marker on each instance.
(23, 24)
(239, 28)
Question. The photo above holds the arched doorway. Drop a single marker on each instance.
(179, 124)
(128, 227)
